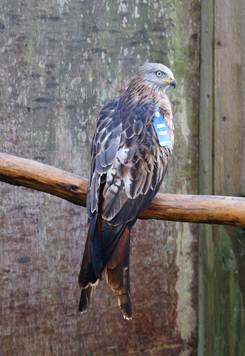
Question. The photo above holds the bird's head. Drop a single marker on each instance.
(158, 76)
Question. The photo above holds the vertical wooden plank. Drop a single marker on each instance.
(228, 87)
(229, 244)
(206, 118)
(222, 289)
(242, 181)
(206, 186)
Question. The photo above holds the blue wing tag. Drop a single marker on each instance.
(162, 129)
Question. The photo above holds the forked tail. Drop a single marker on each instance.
(109, 252)
(87, 277)
(117, 274)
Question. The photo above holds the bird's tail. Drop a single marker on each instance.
(117, 273)
(112, 256)
(85, 298)
(87, 278)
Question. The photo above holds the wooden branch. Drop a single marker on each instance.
(176, 207)
(32, 174)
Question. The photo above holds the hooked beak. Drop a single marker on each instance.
(171, 82)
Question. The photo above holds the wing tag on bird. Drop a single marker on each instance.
(162, 129)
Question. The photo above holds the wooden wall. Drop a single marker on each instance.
(60, 60)
(222, 162)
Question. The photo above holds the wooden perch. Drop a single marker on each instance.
(176, 207)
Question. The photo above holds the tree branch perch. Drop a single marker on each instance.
(176, 207)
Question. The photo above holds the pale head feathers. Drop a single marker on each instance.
(157, 76)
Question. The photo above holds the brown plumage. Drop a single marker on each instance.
(128, 165)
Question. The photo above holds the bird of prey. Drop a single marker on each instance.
(131, 147)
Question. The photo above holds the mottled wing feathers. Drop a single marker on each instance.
(105, 145)
(137, 169)
(126, 154)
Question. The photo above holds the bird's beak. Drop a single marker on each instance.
(171, 82)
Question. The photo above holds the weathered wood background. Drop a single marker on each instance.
(60, 60)
(222, 171)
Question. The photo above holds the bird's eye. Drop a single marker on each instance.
(159, 73)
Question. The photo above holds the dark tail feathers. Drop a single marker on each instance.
(117, 274)
(87, 277)
(116, 256)
(85, 298)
